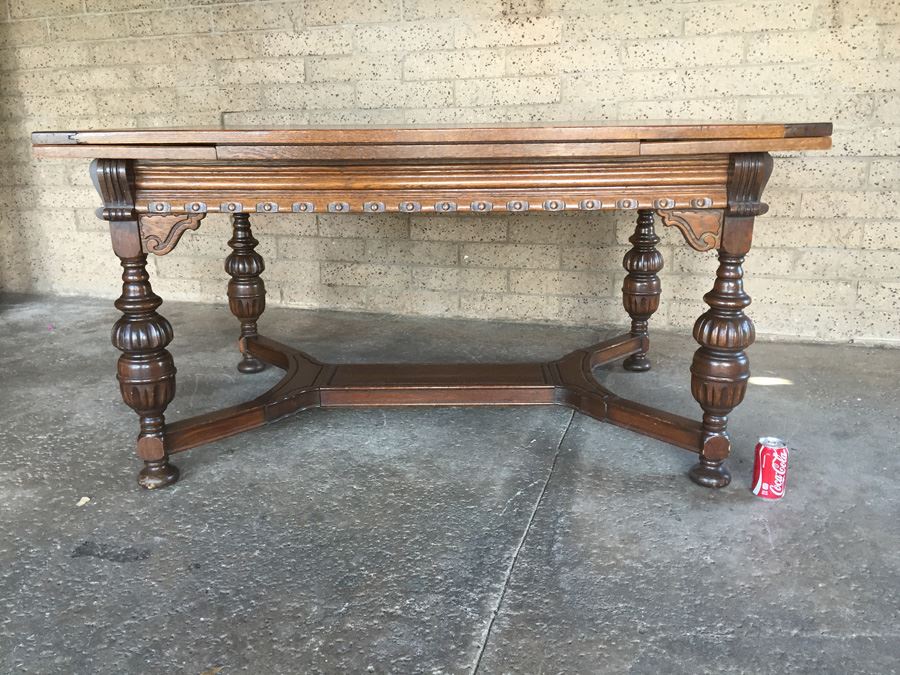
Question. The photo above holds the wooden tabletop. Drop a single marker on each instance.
(445, 142)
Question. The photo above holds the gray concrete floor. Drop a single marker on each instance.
(502, 540)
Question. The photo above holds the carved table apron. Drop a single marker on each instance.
(705, 180)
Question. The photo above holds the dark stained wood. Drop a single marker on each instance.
(641, 288)
(616, 349)
(809, 129)
(246, 290)
(663, 426)
(704, 179)
(720, 368)
(309, 384)
(146, 371)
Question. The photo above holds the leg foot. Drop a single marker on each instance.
(157, 474)
(250, 364)
(710, 473)
(637, 363)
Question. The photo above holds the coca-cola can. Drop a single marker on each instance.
(770, 468)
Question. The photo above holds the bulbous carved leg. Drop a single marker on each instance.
(720, 369)
(246, 291)
(145, 369)
(641, 290)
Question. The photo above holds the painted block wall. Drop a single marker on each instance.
(826, 260)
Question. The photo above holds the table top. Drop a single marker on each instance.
(433, 142)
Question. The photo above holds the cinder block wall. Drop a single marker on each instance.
(826, 263)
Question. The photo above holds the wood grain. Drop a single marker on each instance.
(742, 145)
(472, 133)
(429, 186)
(174, 152)
(474, 143)
(431, 151)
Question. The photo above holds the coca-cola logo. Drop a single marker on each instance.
(779, 467)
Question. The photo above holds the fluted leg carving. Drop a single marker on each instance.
(720, 369)
(641, 290)
(146, 372)
(246, 290)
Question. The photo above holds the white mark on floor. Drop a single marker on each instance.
(518, 494)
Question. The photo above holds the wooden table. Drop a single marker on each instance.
(704, 180)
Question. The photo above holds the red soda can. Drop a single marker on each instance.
(770, 468)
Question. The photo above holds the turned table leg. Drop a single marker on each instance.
(246, 290)
(146, 371)
(720, 369)
(641, 289)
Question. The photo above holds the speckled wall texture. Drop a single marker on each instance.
(826, 262)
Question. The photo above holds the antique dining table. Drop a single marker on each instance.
(705, 180)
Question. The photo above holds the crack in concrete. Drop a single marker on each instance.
(512, 564)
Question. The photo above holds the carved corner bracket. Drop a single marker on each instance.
(748, 174)
(701, 228)
(160, 233)
(114, 180)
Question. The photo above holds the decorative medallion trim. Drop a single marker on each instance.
(590, 205)
(303, 207)
(481, 206)
(517, 205)
(195, 207)
(410, 207)
(445, 207)
(554, 205)
(373, 207)
(160, 232)
(231, 207)
(338, 207)
(267, 207)
(627, 203)
(700, 229)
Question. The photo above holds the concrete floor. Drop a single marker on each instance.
(502, 540)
